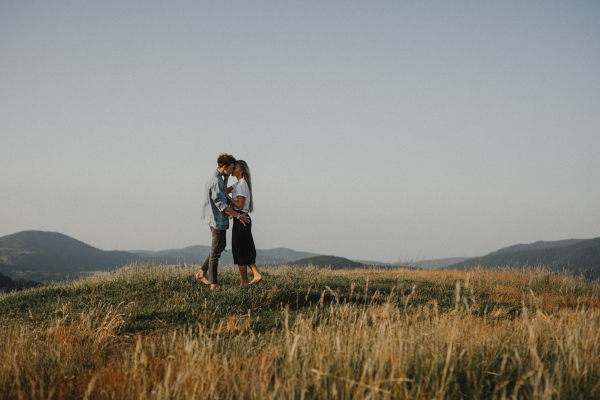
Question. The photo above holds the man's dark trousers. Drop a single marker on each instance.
(219, 241)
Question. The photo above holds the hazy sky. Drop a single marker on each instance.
(378, 130)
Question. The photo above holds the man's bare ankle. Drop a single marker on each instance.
(201, 276)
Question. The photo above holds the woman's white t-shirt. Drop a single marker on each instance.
(240, 188)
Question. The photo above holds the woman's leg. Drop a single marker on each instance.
(244, 273)
(257, 276)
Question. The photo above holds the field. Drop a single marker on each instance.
(154, 332)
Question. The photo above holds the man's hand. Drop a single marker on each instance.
(244, 219)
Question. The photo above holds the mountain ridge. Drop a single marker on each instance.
(580, 256)
(53, 256)
(540, 244)
(198, 253)
(333, 262)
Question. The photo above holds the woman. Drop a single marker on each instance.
(242, 243)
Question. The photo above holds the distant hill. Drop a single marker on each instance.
(537, 246)
(50, 256)
(438, 263)
(41, 255)
(576, 255)
(197, 254)
(191, 254)
(420, 264)
(284, 254)
(376, 263)
(328, 261)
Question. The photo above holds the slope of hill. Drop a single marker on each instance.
(438, 263)
(49, 255)
(285, 254)
(537, 246)
(582, 256)
(328, 261)
(303, 331)
(197, 254)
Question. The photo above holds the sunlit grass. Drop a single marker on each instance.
(151, 331)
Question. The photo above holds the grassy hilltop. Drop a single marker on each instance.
(153, 332)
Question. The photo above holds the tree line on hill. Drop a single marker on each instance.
(8, 285)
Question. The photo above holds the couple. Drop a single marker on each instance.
(220, 202)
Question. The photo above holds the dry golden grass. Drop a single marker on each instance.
(401, 347)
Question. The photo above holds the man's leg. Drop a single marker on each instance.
(201, 275)
(219, 241)
(204, 267)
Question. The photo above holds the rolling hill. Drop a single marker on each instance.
(328, 261)
(48, 256)
(437, 263)
(198, 253)
(537, 246)
(577, 255)
(51, 256)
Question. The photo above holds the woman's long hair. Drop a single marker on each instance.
(246, 175)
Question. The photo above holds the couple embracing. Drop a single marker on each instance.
(221, 202)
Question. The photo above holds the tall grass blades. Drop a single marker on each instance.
(153, 332)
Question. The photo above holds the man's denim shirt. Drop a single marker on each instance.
(215, 202)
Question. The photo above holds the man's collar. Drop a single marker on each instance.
(218, 174)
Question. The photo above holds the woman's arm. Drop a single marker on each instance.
(239, 203)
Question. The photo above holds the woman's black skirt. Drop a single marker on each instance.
(242, 243)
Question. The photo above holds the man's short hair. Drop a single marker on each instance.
(225, 160)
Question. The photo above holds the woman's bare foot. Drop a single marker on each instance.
(257, 275)
(202, 278)
(244, 283)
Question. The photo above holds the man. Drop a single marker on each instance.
(215, 213)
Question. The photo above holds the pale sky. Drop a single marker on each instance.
(374, 130)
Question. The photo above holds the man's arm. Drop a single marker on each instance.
(242, 217)
(218, 196)
(221, 202)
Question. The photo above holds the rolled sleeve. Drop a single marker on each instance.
(218, 197)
